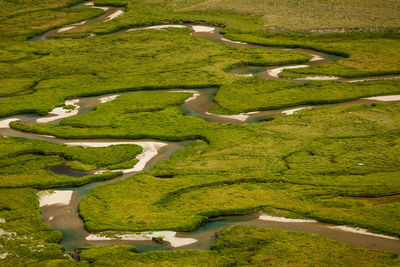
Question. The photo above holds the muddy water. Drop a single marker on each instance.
(66, 218)
(63, 169)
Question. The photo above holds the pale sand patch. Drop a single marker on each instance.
(294, 110)
(265, 217)
(168, 236)
(239, 117)
(275, 72)
(61, 113)
(203, 29)
(115, 14)
(245, 75)
(253, 112)
(5, 123)
(157, 27)
(150, 150)
(319, 78)
(80, 23)
(360, 231)
(316, 58)
(89, 4)
(100, 7)
(45, 135)
(66, 29)
(108, 98)
(47, 198)
(386, 98)
(230, 41)
(195, 95)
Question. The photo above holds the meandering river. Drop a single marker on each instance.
(65, 217)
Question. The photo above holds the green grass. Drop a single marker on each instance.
(33, 241)
(248, 246)
(366, 54)
(11, 87)
(310, 14)
(161, 59)
(28, 23)
(306, 165)
(261, 94)
(26, 163)
(327, 152)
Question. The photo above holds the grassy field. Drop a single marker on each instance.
(332, 164)
(261, 94)
(248, 246)
(311, 14)
(324, 152)
(366, 54)
(25, 238)
(137, 60)
(24, 19)
(26, 163)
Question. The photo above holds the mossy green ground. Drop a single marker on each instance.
(248, 246)
(313, 158)
(25, 163)
(262, 94)
(25, 238)
(317, 164)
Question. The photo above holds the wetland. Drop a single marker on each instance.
(208, 149)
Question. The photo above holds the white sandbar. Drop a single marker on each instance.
(292, 111)
(61, 113)
(245, 75)
(275, 72)
(360, 231)
(265, 217)
(150, 150)
(100, 7)
(108, 98)
(157, 27)
(316, 58)
(203, 29)
(239, 117)
(168, 236)
(195, 95)
(115, 14)
(386, 98)
(66, 29)
(319, 78)
(47, 198)
(230, 41)
(5, 123)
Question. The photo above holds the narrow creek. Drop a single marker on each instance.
(65, 218)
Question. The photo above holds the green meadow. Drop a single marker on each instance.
(27, 163)
(338, 165)
(247, 246)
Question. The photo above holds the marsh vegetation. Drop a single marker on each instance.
(332, 164)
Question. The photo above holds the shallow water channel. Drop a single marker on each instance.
(65, 218)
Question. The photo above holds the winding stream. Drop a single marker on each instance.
(65, 217)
